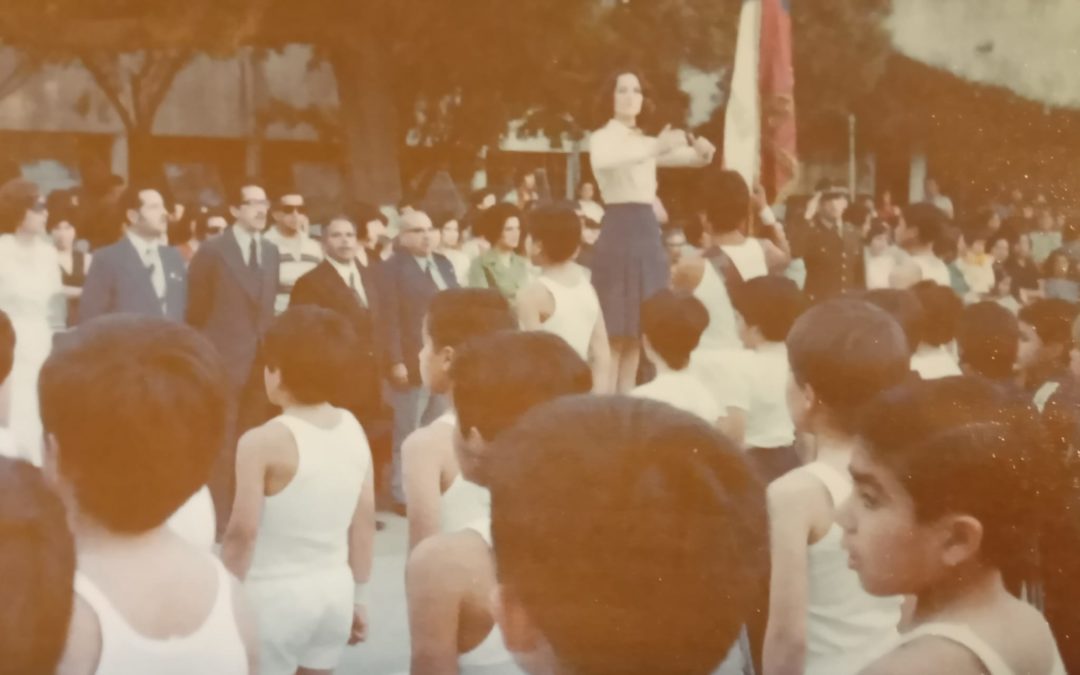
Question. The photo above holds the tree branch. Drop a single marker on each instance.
(99, 65)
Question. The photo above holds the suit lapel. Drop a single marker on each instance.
(135, 268)
(234, 258)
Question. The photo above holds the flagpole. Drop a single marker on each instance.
(851, 156)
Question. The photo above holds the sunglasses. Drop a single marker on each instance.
(291, 210)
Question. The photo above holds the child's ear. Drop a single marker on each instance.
(963, 537)
(446, 357)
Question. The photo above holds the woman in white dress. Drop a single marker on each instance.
(29, 285)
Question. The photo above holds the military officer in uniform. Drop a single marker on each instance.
(831, 249)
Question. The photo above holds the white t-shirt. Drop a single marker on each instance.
(683, 390)
(933, 363)
(768, 421)
(8, 448)
(933, 269)
(724, 373)
(879, 269)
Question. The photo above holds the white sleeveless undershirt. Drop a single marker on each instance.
(215, 647)
(748, 257)
(965, 637)
(711, 291)
(577, 310)
(305, 527)
(490, 657)
(464, 502)
(847, 628)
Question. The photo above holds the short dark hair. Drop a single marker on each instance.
(903, 306)
(1052, 319)
(37, 563)
(63, 207)
(927, 220)
(878, 227)
(362, 213)
(17, 196)
(558, 230)
(725, 200)
(138, 408)
(941, 308)
(656, 477)
(771, 304)
(673, 322)
(460, 314)
(856, 213)
(238, 191)
(848, 351)
(988, 339)
(7, 346)
(605, 97)
(498, 377)
(964, 445)
(312, 347)
(490, 222)
(1051, 260)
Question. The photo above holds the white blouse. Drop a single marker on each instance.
(624, 162)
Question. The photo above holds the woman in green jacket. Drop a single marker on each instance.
(500, 267)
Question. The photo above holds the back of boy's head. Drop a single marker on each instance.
(137, 406)
(847, 351)
(498, 377)
(927, 220)
(961, 445)
(903, 306)
(726, 200)
(771, 304)
(313, 349)
(941, 308)
(558, 230)
(1052, 319)
(460, 314)
(7, 346)
(37, 564)
(633, 534)
(673, 322)
(988, 340)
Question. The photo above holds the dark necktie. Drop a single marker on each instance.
(253, 255)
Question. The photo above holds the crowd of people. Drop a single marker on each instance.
(624, 443)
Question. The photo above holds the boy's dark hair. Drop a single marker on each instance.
(771, 304)
(725, 200)
(37, 563)
(964, 445)
(878, 227)
(661, 573)
(673, 322)
(238, 190)
(903, 306)
(558, 230)
(927, 220)
(988, 339)
(498, 377)
(941, 308)
(460, 314)
(138, 407)
(7, 346)
(312, 347)
(490, 223)
(1052, 319)
(848, 351)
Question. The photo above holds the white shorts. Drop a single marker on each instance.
(303, 621)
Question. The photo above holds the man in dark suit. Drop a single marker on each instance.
(409, 280)
(137, 274)
(831, 249)
(232, 282)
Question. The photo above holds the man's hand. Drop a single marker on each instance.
(359, 630)
(399, 375)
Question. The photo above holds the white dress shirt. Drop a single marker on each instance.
(351, 276)
(933, 269)
(932, 363)
(624, 162)
(150, 252)
(428, 266)
(243, 238)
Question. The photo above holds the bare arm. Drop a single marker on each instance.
(362, 553)
(434, 590)
(238, 545)
(610, 151)
(421, 469)
(777, 254)
(681, 158)
(528, 307)
(246, 626)
(687, 274)
(82, 652)
(789, 531)
(600, 356)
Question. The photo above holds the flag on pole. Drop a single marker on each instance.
(759, 124)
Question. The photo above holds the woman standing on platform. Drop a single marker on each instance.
(628, 264)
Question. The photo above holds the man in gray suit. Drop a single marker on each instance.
(232, 283)
(137, 274)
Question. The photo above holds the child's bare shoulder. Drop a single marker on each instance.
(925, 655)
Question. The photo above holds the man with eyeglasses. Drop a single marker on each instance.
(232, 286)
(298, 251)
(410, 279)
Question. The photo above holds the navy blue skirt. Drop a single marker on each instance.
(628, 266)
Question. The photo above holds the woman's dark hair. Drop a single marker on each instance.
(1055, 255)
(63, 207)
(444, 218)
(657, 478)
(673, 322)
(17, 196)
(847, 351)
(491, 222)
(605, 99)
(312, 348)
(963, 445)
(37, 564)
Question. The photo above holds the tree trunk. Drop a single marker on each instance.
(369, 121)
(141, 160)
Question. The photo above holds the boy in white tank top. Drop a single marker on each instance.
(727, 222)
(821, 622)
(952, 490)
(429, 467)
(562, 300)
(450, 577)
(134, 412)
(302, 529)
